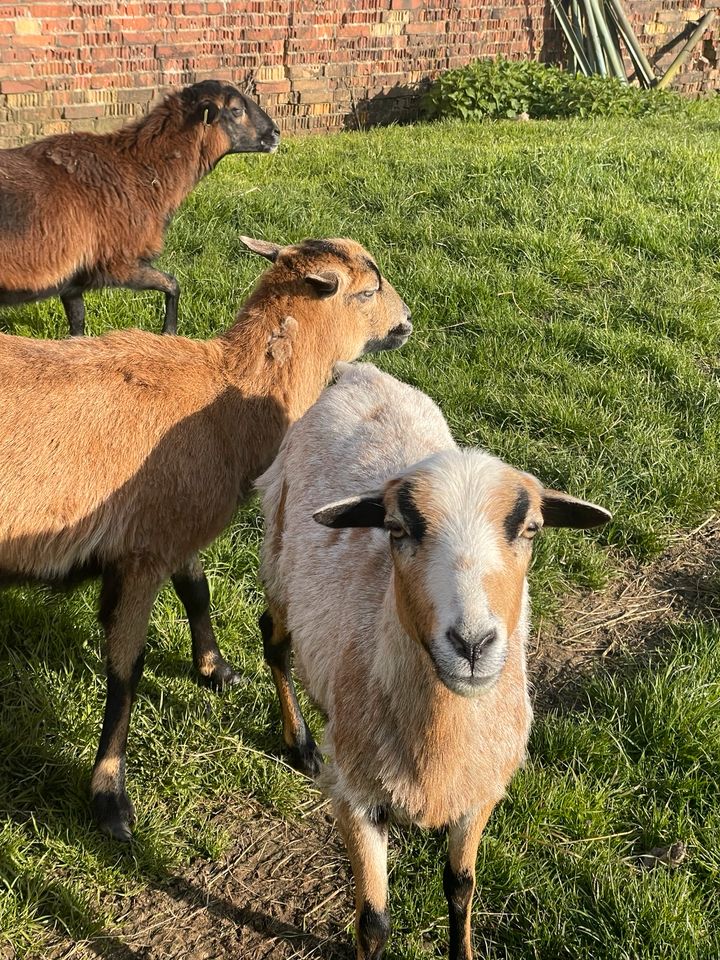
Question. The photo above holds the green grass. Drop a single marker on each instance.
(635, 766)
(565, 281)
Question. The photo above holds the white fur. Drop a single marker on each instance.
(336, 587)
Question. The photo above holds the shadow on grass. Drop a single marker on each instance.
(696, 599)
(187, 893)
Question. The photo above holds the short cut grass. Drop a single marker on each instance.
(564, 280)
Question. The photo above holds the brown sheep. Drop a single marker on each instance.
(167, 436)
(83, 211)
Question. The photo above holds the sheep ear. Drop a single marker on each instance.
(367, 510)
(208, 112)
(324, 284)
(562, 510)
(268, 250)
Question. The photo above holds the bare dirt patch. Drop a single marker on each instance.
(631, 616)
(282, 890)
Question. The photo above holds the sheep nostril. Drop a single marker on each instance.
(471, 647)
(490, 636)
(456, 640)
(402, 329)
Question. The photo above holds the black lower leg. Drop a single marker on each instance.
(171, 310)
(302, 749)
(75, 313)
(373, 931)
(458, 889)
(111, 805)
(192, 588)
(147, 277)
(125, 603)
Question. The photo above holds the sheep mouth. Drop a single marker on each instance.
(395, 339)
(269, 145)
(451, 674)
(468, 686)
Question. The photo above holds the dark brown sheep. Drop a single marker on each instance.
(168, 435)
(83, 211)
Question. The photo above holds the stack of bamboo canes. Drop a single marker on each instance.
(594, 29)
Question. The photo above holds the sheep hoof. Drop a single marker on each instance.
(307, 759)
(223, 676)
(115, 815)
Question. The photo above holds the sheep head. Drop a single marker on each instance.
(353, 310)
(460, 527)
(233, 121)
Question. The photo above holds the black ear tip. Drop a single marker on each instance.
(325, 517)
(593, 515)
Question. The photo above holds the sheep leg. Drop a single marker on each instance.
(304, 754)
(75, 312)
(126, 600)
(459, 879)
(193, 590)
(366, 838)
(146, 277)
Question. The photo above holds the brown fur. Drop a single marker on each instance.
(132, 451)
(434, 733)
(504, 588)
(82, 211)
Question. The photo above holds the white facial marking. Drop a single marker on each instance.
(469, 642)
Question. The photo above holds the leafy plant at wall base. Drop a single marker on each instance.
(504, 89)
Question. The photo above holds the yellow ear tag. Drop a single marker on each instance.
(205, 117)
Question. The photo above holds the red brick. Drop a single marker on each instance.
(134, 46)
(22, 86)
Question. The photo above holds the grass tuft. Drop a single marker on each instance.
(564, 281)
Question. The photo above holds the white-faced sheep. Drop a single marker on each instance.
(410, 634)
(83, 211)
(124, 455)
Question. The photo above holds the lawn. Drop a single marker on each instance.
(565, 285)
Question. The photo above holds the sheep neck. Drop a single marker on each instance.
(440, 754)
(172, 159)
(294, 374)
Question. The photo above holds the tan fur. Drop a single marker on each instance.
(131, 451)
(504, 588)
(463, 841)
(367, 849)
(414, 610)
(411, 641)
(435, 734)
(108, 770)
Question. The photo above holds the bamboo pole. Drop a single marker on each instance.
(595, 36)
(577, 28)
(644, 80)
(572, 38)
(614, 34)
(587, 41)
(680, 59)
(612, 54)
(642, 64)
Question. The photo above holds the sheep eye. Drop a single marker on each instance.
(237, 111)
(530, 530)
(367, 294)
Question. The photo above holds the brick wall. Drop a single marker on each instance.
(315, 65)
